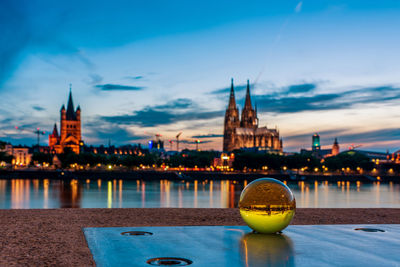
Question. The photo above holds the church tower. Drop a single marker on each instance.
(70, 129)
(54, 138)
(249, 116)
(335, 148)
(231, 122)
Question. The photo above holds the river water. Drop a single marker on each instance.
(47, 194)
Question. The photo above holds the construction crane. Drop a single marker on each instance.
(352, 147)
(157, 135)
(38, 133)
(177, 141)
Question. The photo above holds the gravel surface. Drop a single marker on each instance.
(55, 237)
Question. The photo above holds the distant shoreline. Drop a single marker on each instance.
(185, 175)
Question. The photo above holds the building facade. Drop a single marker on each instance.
(245, 133)
(22, 157)
(335, 148)
(320, 153)
(70, 130)
(316, 144)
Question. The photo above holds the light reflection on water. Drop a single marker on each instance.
(117, 193)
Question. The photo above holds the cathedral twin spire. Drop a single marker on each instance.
(244, 133)
(249, 115)
(247, 103)
(232, 101)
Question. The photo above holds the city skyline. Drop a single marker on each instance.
(314, 66)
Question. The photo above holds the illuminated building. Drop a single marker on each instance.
(224, 162)
(157, 145)
(70, 130)
(316, 145)
(116, 150)
(335, 148)
(316, 150)
(21, 155)
(245, 133)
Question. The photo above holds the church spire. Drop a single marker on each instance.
(232, 101)
(247, 104)
(231, 122)
(70, 106)
(55, 132)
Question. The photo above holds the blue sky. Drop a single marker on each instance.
(143, 67)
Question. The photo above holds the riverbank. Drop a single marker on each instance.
(54, 237)
(188, 175)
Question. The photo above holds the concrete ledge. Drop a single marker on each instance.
(55, 237)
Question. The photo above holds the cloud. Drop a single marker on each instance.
(330, 133)
(6, 121)
(373, 138)
(139, 77)
(291, 89)
(98, 131)
(301, 88)
(180, 103)
(298, 7)
(389, 134)
(303, 97)
(226, 90)
(208, 136)
(117, 135)
(181, 109)
(95, 78)
(291, 99)
(149, 117)
(38, 108)
(267, 103)
(118, 87)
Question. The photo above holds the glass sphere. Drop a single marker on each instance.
(267, 205)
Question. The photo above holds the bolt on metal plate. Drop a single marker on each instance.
(369, 230)
(169, 261)
(136, 233)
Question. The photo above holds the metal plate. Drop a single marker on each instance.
(299, 245)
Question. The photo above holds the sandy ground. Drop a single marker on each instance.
(55, 237)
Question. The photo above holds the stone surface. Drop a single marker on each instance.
(306, 245)
(54, 237)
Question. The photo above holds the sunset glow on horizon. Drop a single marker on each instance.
(139, 69)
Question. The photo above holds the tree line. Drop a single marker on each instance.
(243, 161)
(305, 161)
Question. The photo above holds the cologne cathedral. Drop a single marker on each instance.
(245, 134)
(70, 130)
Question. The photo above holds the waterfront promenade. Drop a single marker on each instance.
(190, 175)
(54, 237)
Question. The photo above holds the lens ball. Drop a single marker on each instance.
(267, 205)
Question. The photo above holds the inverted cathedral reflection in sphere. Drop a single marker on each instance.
(267, 205)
